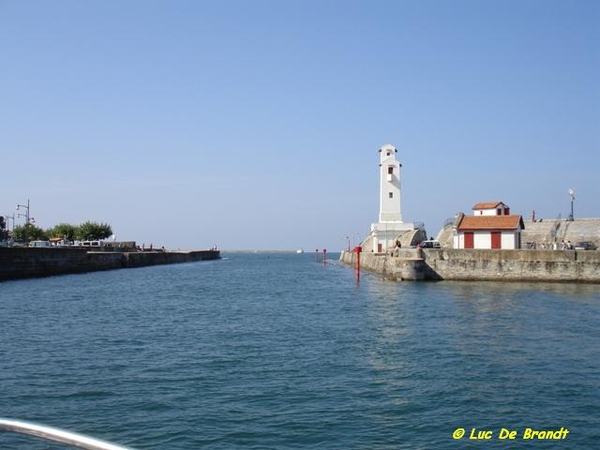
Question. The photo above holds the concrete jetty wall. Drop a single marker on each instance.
(16, 262)
(480, 265)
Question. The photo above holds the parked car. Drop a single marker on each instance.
(585, 245)
(42, 244)
(430, 243)
(92, 243)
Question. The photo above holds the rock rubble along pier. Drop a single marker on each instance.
(18, 263)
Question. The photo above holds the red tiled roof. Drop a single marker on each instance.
(488, 205)
(491, 223)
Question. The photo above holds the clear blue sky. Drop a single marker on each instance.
(256, 124)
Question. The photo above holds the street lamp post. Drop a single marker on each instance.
(26, 215)
(572, 195)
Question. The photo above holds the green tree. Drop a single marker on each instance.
(3, 230)
(28, 232)
(63, 231)
(93, 231)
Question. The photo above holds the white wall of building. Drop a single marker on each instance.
(387, 233)
(509, 240)
(485, 212)
(482, 239)
(498, 211)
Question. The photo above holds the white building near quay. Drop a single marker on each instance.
(490, 227)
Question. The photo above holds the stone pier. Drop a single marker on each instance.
(581, 266)
(17, 262)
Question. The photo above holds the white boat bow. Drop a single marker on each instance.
(58, 435)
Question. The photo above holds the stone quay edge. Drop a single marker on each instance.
(413, 264)
(20, 263)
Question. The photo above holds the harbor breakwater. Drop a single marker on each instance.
(481, 265)
(16, 262)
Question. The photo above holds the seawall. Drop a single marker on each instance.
(18, 263)
(482, 265)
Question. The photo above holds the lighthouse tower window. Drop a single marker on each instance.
(390, 170)
(390, 194)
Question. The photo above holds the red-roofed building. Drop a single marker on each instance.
(491, 209)
(491, 227)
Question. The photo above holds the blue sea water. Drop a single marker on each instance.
(279, 351)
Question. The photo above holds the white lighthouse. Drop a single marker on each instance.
(390, 225)
(389, 185)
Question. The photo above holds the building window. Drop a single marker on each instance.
(390, 194)
(390, 170)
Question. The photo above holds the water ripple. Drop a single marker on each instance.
(278, 351)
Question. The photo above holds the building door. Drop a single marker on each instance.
(496, 240)
(469, 239)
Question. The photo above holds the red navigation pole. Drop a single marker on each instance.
(357, 250)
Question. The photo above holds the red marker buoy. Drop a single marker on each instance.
(357, 250)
